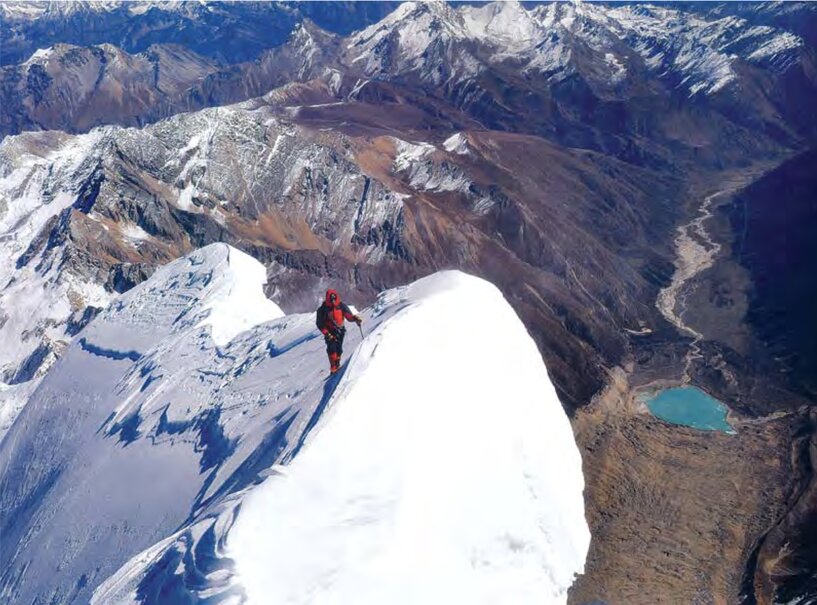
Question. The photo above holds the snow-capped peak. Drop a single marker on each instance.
(29, 10)
(239, 303)
(416, 24)
(22, 10)
(702, 50)
(504, 24)
(40, 55)
(218, 287)
(694, 49)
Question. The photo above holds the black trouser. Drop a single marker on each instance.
(335, 345)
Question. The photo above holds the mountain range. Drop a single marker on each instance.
(563, 151)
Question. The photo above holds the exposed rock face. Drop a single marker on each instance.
(773, 246)
(782, 566)
(776, 247)
(76, 88)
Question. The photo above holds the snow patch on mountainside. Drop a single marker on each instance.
(457, 143)
(702, 51)
(425, 171)
(13, 398)
(408, 154)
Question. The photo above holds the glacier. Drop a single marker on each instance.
(190, 446)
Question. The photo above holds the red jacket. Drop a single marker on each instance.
(331, 314)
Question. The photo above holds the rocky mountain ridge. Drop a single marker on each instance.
(582, 75)
(227, 32)
(364, 208)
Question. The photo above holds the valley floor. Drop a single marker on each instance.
(680, 515)
(675, 513)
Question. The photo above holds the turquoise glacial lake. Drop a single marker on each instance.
(690, 406)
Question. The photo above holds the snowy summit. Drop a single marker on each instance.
(194, 452)
(434, 476)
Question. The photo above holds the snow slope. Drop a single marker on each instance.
(444, 472)
(143, 467)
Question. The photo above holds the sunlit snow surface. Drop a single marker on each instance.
(437, 467)
(13, 398)
(444, 471)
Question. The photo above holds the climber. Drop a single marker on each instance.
(330, 322)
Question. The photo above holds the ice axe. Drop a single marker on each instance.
(359, 318)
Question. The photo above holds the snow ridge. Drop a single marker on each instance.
(177, 447)
(442, 490)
